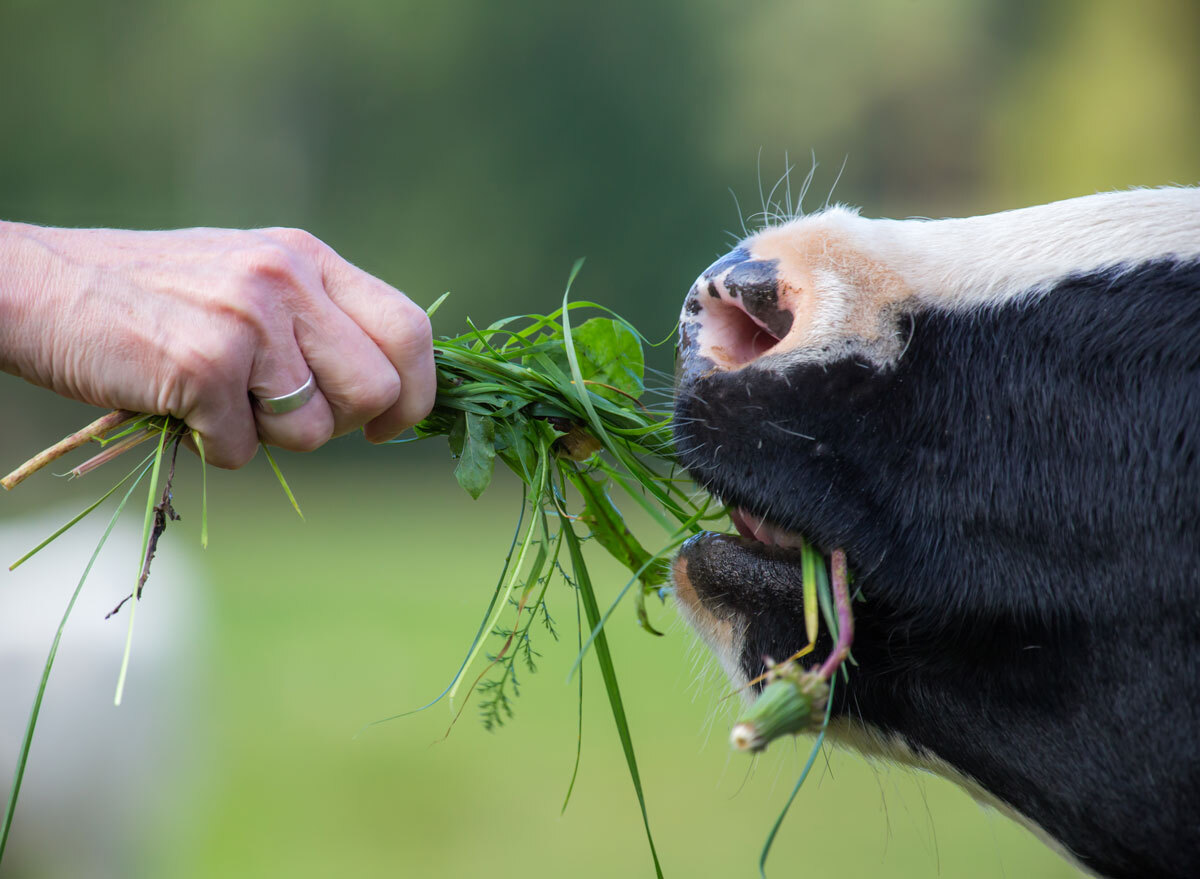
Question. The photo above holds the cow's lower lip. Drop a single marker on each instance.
(757, 528)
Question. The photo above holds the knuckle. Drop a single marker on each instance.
(379, 392)
(254, 297)
(273, 263)
(208, 364)
(422, 329)
(296, 239)
(412, 331)
(396, 319)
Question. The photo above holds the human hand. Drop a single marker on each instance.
(191, 322)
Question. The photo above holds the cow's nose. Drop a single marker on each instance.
(733, 314)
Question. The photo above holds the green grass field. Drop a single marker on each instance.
(365, 610)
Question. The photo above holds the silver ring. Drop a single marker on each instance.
(288, 402)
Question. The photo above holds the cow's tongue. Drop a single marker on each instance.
(754, 528)
(750, 526)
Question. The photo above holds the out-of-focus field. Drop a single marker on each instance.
(365, 609)
(481, 148)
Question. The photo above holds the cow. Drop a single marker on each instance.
(998, 419)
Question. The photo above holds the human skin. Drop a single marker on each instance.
(191, 322)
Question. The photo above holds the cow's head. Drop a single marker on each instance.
(999, 419)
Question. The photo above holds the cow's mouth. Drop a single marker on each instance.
(736, 574)
(759, 529)
(743, 593)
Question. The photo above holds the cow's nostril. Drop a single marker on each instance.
(756, 284)
(735, 313)
(732, 336)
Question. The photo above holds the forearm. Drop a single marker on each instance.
(35, 277)
(85, 312)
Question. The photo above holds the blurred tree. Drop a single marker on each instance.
(482, 147)
(1105, 98)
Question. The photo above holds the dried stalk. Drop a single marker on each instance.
(93, 431)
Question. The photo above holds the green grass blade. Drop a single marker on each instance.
(639, 497)
(283, 482)
(608, 672)
(824, 593)
(676, 539)
(130, 428)
(61, 531)
(808, 765)
(437, 303)
(809, 559)
(27, 741)
(579, 727)
(479, 635)
(199, 441)
(600, 621)
(585, 396)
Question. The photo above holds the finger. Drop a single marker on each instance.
(226, 426)
(356, 379)
(399, 328)
(282, 370)
(190, 444)
(202, 382)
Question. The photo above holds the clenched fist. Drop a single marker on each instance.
(193, 322)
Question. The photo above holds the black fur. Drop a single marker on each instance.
(1020, 499)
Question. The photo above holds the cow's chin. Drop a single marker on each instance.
(743, 595)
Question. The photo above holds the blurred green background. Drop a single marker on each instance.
(480, 148)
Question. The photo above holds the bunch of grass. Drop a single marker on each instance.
(561, 403)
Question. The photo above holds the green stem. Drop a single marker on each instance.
(812, 757)
(608, 672)
(133, 599)
(514, 574)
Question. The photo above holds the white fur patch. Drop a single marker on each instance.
(989, 260)
(846, 278)
(724, 632)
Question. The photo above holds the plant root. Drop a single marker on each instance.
(163, 512)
